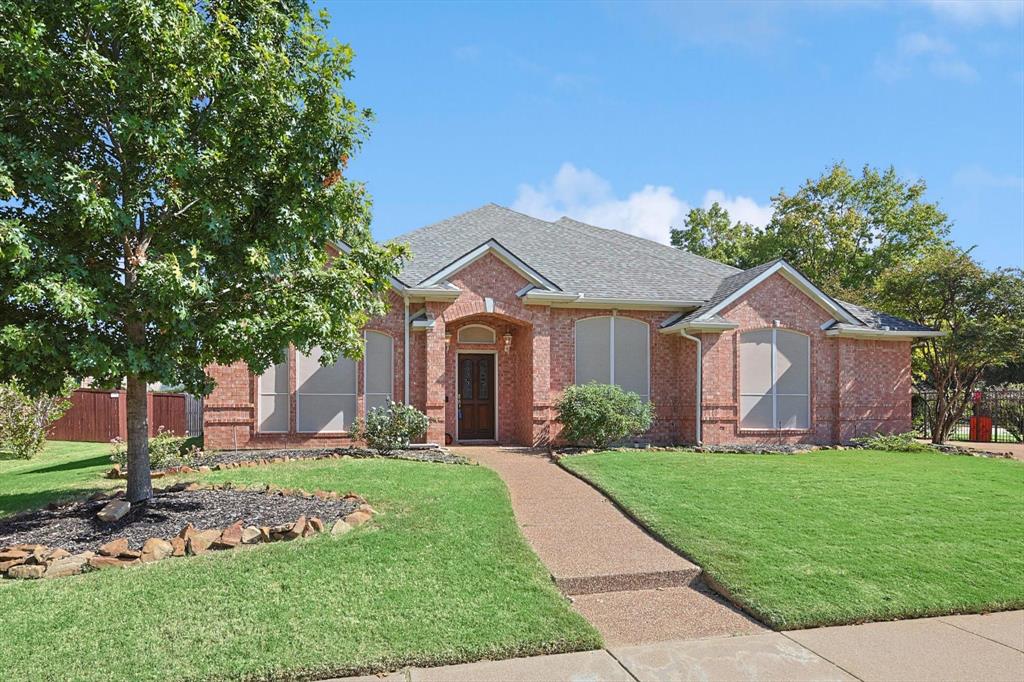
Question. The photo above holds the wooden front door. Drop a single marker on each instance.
(476, 397)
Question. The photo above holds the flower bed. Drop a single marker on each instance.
(68, 539)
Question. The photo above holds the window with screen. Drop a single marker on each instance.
(325, 396)
(273, 399)
(379, 368)
(774, 380)
(614, 350)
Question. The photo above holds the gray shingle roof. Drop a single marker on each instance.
(595, 261)
(577, 257)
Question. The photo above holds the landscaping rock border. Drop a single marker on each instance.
(28, 561)
(239, 459)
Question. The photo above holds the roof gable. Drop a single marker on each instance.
(491, 246)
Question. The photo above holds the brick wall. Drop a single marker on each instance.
(856, 386)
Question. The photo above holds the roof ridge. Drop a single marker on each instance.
(445, 220)
(675, 251)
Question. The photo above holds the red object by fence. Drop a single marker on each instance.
(101, 416)
(981, 429)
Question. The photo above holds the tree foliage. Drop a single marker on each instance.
(980, 311)
(840, 230)
(25, 419)
(170, 175)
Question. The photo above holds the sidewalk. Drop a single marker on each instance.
(953, 648)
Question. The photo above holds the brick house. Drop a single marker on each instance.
(497, 312)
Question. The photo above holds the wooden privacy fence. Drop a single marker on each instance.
(101, 416)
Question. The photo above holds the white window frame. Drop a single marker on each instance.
(494, 335)
(298, 398)
(391, 366)
(287, 393)
(773, 392)
(611, 349)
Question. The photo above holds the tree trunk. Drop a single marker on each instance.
(140, 486)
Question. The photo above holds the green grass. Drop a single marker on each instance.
(833, 537)
(442, 575)
(64, 470)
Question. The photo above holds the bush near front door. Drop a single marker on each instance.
(602, 414)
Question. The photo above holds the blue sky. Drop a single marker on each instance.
(627, 115)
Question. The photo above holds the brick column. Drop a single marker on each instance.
(542, 412)
(434, 368)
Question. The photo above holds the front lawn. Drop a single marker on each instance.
(442, 575)
(833, 537)
(64, 470)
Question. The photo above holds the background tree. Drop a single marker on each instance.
(709, 232)
(980, 310)
(840, 230)
(170, 174)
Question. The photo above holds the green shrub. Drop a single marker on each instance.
(165, 450)
(601, 414)
(24, 420)
(897, 442)
(391, 428)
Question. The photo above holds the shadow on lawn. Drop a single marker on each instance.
(12, 503)
(97, 461)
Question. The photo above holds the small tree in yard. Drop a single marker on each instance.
(25, 419)
(170, 176)
(602, 414)
(980, 311)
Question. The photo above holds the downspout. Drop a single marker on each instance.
(700, 374)
(405, 353)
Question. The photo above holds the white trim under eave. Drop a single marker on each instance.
(797, 280)
(446, 295)
(563, 300)
(843, 331)
(503, 254)
(711, 326)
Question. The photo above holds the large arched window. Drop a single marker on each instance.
(614, 350)
(273, 400)
(775, 380)
(325, 396)
(379, 370)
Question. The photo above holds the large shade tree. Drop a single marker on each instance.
(170, 175)
(981, 312)
(839, 229)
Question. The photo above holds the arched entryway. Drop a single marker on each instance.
(489, 386)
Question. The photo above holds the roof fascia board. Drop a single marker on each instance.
(432, 293)
(844, 331)
(712, 326)
(563, 300)
(503, 254)
(795, 278)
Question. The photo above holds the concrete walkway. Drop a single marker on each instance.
(631, 587)
(658, 623)
(951, 648)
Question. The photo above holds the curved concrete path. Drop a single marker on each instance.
(630, 586)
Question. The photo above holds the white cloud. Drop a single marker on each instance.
(740, 208)
(977, 176)
(922, 43)
(648, 212)
(978, 12)
(914, 49)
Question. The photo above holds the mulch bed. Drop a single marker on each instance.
(74, 526)
(440, 455)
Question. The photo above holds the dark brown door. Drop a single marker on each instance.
(476, 397)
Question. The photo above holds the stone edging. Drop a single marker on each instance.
(31, 561)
